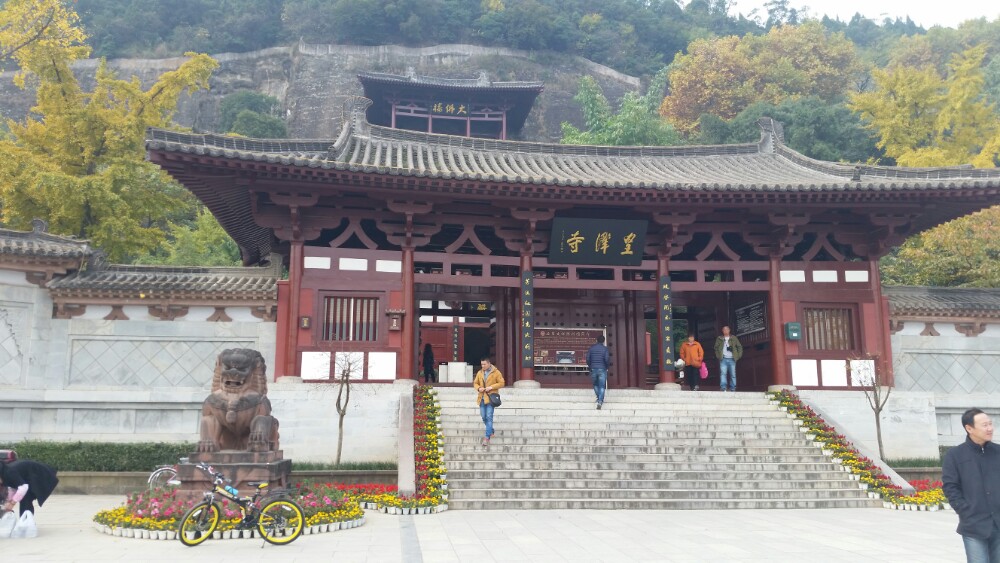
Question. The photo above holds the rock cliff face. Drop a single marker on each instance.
(313, 82)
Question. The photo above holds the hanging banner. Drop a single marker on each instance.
(527, 319)
(600, 242)
(666, 324)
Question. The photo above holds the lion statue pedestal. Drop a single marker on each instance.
(239, 435)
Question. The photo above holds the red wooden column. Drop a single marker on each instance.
(410, 318)
(667, 379)
(778, 359)
(292, 319)
(631, 364)
(526, 377)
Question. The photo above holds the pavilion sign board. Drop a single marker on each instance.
(600, 242)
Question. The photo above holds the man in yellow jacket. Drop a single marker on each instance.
(487, 380)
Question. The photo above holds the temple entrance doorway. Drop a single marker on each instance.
(704, 313)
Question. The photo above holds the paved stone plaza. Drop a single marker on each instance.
(818, 536)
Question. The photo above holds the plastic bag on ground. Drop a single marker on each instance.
(25, 527)
(7, 523)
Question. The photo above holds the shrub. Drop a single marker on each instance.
(101, 456)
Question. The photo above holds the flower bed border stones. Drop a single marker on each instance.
(928, 495)
(154, 514)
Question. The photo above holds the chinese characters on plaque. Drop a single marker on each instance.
(666, 324)
(449, 108)
(527, 319)
(604, 242)
(454, 342)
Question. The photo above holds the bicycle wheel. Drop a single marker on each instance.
(198, 524)
(161, 477)
(281, 521)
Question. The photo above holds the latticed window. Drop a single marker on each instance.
(350, 318)
(829, 328)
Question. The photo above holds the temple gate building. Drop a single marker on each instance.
(530, 249)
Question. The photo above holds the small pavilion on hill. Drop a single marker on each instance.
(526, 251)
(477, 107)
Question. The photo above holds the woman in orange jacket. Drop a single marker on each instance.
(693, 354)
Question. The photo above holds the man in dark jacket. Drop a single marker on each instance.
(971, 477)
(40, 479)
(598, 360)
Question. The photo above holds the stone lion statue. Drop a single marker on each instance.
(237, 414)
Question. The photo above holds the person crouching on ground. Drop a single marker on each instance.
(30, 481)
(693, 354)
(487, 380)
(970, 475)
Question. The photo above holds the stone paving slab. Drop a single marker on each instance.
(753, 536)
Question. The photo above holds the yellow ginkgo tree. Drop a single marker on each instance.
(925, 119)
(78, 160)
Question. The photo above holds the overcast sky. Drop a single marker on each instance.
(927, 13)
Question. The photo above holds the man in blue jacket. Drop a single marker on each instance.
(971, 477)
(598, 360)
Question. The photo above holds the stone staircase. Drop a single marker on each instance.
(643, 450)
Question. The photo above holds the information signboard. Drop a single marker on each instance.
(564, 347)
(751, 318)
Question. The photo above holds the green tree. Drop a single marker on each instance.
(635, 123)
(201, 243)
(812, 127)
(252, 124)
(245, 100)
(79, 160)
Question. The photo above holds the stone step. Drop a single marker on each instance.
(624, 433)
(779, 493)
(665, 427)
(693, 477)
(502, 438)
(643, 450)
(603, 449)
(641, 395)
(510, 457)
(606, 465)
(525, 439)
(749, 433)
(657, 504)
(605, 417)
(469, 485)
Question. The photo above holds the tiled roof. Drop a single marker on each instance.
(40, 244)
(481, 83)
(164, 281)
(767, 166)
(943, 301)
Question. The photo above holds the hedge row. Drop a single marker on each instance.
(137, 456)
(101, 456)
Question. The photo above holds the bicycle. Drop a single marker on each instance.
(162, 476)
(277, 518)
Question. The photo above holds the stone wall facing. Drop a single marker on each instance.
(312, 82)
